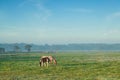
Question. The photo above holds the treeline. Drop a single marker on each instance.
(15, 47)
(23, 47)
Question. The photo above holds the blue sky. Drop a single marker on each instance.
(59, 21)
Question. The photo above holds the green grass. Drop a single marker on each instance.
(71, 66)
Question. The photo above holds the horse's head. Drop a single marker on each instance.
(54, 61)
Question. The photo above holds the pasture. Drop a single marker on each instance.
(71, 66)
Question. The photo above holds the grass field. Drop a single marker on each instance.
(71, 66)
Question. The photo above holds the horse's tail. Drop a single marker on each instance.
(40, 62)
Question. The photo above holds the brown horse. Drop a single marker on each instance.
(47, 59)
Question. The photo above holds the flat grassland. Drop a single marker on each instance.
(96, 65)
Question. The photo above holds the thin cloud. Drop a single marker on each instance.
(45, 12)
(111, 35)
(81, 10)
(42, 13)
(113, 16)
(22, 4)
(113, 32)
(3, 15)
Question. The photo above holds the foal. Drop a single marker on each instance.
(44, 61)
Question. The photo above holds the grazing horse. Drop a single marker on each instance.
(47, 59)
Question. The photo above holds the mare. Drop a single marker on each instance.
(47, 60)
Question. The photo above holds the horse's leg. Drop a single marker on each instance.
(42, 64)
(47, 63)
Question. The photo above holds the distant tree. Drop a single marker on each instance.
(16, 48)
(2, 50)
(28, 47)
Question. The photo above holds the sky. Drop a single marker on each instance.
(59, 21)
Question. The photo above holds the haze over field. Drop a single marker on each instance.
(59, 21)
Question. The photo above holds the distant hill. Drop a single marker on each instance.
(63, 47)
